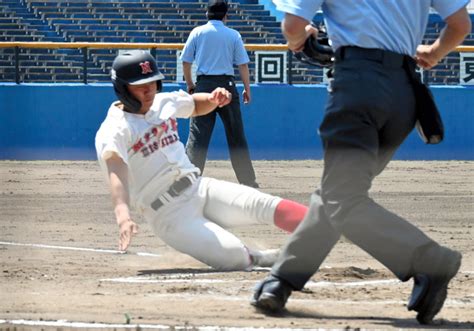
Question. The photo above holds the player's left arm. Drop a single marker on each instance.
(245, 76)
(204, 103)
(118, 182)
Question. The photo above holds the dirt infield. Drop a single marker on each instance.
(59, 265)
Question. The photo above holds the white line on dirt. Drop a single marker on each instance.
(69, 324)
(139, 280)
(186, 279)
(353, 284)
(110, 251)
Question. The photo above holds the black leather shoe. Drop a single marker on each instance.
(271, 294)
(431, 288)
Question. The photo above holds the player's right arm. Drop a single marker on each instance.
(118, 182)
(204, 103)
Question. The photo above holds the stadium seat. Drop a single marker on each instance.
(166, 21)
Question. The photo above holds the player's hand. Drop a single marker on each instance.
(426, 57)
(246, 96)
(128, 228)
(191, 88)
(220, 97)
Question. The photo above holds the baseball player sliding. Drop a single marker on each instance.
(138, 147)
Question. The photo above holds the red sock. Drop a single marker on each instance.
(288, 214)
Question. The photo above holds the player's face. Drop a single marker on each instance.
(144, 93)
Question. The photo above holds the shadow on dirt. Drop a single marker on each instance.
(382, 322)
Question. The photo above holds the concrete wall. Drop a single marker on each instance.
(59, 121)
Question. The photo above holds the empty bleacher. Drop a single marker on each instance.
(162, 21)
(143, 21)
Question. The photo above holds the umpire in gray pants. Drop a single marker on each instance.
(370, 111)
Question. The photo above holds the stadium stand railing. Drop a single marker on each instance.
(147, 22)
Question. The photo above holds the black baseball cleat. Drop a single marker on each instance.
(271, 294)
(430, 289)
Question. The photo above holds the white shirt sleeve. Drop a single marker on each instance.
(446, 8)
(189, 50)
(302, 8)
(173, 104)
(112, 139)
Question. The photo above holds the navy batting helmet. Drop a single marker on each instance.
(134, 67)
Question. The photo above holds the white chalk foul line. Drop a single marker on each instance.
(62, 323)
(138, 280)
(353, 284)
(68, 324)
(97, 250)
(185, 279)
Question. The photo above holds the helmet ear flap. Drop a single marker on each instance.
(159, 86)
(131, 104)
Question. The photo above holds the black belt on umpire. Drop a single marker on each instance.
(215, 77)
(386, 58)
(175, 189)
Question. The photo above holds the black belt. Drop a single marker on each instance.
(175, 189)
(387, 58)
(228, 77)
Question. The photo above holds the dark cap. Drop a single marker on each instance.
(217, 7)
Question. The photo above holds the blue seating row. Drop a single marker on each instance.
(146, 21)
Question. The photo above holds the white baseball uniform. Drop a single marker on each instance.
(192, 222)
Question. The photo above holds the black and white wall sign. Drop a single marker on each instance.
(466, 73)
(270, 67)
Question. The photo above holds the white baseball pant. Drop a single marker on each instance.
(195, 222)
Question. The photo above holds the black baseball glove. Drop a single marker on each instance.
(316, 52)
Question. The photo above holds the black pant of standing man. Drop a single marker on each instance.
(370, 112)
(200, 130)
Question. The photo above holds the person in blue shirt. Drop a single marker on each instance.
(371, 109)
(216, 48)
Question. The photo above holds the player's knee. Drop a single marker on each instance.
(230, 259)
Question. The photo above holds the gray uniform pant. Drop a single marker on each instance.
(201, 127)
(370, 111)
